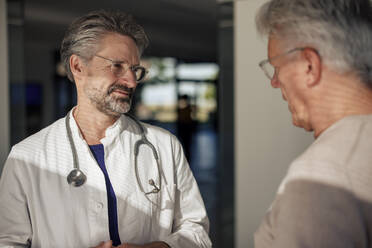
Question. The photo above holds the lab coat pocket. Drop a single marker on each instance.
(136, 218)
(163, 212)
(168, 197)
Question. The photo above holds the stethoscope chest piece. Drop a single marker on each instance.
(76, 178)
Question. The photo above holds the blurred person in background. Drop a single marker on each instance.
(320, 57)
(117, 194)
(186, 126)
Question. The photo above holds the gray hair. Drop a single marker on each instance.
(340, 30)
(84, 34)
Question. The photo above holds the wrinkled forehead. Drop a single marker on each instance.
(119, 48)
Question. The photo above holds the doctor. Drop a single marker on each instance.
(114, 199)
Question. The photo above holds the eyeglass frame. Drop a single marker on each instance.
(266, 61)
(131, 67)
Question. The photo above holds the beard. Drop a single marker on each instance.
(107, 103)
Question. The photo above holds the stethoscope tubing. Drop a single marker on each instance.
(77, 178)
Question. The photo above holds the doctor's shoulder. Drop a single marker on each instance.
(160, 135)
(167, 143)
(40, 143)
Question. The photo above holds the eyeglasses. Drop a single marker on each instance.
(269, 69)
(119, 68)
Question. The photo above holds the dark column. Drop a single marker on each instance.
(16, 70)
(226, 125)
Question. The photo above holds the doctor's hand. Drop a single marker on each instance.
(157, 244)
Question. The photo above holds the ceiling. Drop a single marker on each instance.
(186, 29)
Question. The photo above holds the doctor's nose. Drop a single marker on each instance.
(129, 77)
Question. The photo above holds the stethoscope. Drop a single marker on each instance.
(77, 178)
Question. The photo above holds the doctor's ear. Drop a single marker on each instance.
(76, 66)
(314, 66)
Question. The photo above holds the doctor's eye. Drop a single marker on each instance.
(116, 64)
(117, 68)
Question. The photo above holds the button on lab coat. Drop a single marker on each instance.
(38, 208)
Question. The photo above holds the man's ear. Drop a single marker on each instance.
(314, 66)
(76, 66)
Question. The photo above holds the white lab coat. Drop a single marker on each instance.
(38, 208)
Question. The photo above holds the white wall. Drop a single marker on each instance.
(265, 140)
(4, 85)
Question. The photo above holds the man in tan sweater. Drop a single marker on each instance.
(320, 57)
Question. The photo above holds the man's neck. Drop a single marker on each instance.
(340, 100)
(92, 123)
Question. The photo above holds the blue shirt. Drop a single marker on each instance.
(99, 155)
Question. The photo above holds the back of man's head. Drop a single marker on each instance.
(340, 30)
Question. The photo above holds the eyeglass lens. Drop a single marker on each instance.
(120, 69)
(269, 70)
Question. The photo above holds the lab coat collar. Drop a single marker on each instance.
(111, 132)
(115, 129)
(74, 127)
